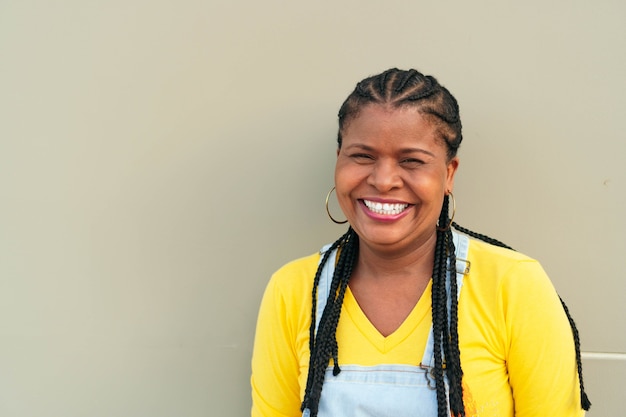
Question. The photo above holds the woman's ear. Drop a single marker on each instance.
(453, 165)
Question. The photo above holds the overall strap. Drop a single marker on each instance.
(326, 278)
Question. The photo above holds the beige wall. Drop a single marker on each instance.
(159, 159)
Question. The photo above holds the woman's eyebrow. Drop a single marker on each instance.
(404, 151)
(416, 150)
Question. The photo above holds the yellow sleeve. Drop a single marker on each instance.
(541, 359)
(281, 341)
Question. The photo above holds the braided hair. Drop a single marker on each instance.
(397, 88)
(410, 88)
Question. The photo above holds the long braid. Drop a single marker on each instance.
(323, 343)
(453, 353)
(316, 281)
(344, 272)
(445, 329)
(439, 316)
(479, 236)
(584, 399)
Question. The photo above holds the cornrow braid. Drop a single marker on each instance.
(405, 79)
(382, 83)
(397, 88)
(361, 91)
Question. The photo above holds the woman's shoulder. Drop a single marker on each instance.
(505, 267)
(491, 253)
(296, 276)
(298, 267)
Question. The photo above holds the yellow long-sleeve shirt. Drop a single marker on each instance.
(517, 350)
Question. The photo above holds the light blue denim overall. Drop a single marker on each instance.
(383, 390)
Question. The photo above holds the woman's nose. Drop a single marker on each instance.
(385, 176)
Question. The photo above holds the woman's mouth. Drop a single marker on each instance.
(385, 209)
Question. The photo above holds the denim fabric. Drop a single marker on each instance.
(386, 389)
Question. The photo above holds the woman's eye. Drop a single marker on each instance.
(411, 162)
(362, 157)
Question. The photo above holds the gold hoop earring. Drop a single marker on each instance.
(328, 211)
(443, 229)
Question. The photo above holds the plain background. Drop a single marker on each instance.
(160, 159)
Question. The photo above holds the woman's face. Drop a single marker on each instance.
(391, 176)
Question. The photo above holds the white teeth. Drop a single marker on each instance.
(385, 208)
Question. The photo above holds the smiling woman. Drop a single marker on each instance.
(347, 331)
(393, 157)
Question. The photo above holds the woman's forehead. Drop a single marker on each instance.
(374, 120)
(400, 128)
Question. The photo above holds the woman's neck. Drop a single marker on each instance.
(387, 263)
